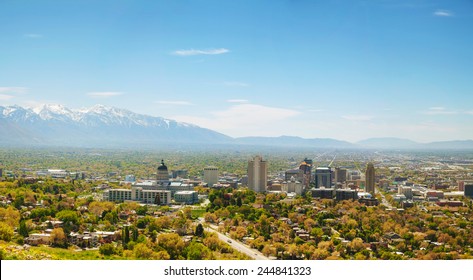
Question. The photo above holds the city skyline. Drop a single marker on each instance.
(348, 71)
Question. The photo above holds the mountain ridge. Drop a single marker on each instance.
(53, 124)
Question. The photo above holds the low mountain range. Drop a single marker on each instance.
(101, 126)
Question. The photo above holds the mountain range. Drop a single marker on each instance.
(101, 126)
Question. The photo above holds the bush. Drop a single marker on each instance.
(107, 249)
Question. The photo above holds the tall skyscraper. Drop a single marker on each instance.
(211, 175)
(306, 167)
(323, 177)
(257, 174)
(340, 175)
(369, 178)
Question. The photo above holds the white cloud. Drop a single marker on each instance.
(438, 111)
(200, 52)
(237, 101)
(104, 94)
(33, 35)
(358, 118)
(18, 90)
(5, 97)
(167, 102)
(244, 120)
(443, 13)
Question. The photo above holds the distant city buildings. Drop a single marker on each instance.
(306, 167)
(340, 175)
(181, 173)
(257, 174)
(323, 177)
(130, 178)
(369, 179)
(292, 186)
(469, 189)
(211, 175)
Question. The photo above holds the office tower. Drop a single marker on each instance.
(211, 175)
(369, 178)
(257, 174)
(340, 175)
(323, 177)
(163, 174)
(468, 189)
(306, 167)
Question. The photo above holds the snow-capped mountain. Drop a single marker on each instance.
(99, 125)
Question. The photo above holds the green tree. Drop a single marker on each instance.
(6, 232)
(135, 234)
(58, 238)
(23, 229)
(197, 251)
(125, 236)
(199, 230)
(172, 243)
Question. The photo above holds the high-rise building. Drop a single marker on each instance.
(306, 167)
(369, 179)
(211, 175)
(323, 177)
(257, 174)
(1, 172)
(163, 173)
(340, 175)
(468, 189)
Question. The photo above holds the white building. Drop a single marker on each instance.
(257, 174)
(211, 175)
(57, 173)
(293, 186)
(187, 197)
(139, 195)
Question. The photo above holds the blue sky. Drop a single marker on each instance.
(349, 70)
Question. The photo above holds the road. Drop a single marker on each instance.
(383, 199)
(237, 245)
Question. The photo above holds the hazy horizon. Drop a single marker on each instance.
(313, 69)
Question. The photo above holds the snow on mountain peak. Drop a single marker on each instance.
(93, 116)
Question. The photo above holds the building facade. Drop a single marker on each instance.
(340, 175)
(257, 174)
(306, 167)
(211, 175)
(160, 197)
(292, 186)
(163, 173)
(187, 197)
(369, 179)
(323, 177)
(469, 189)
